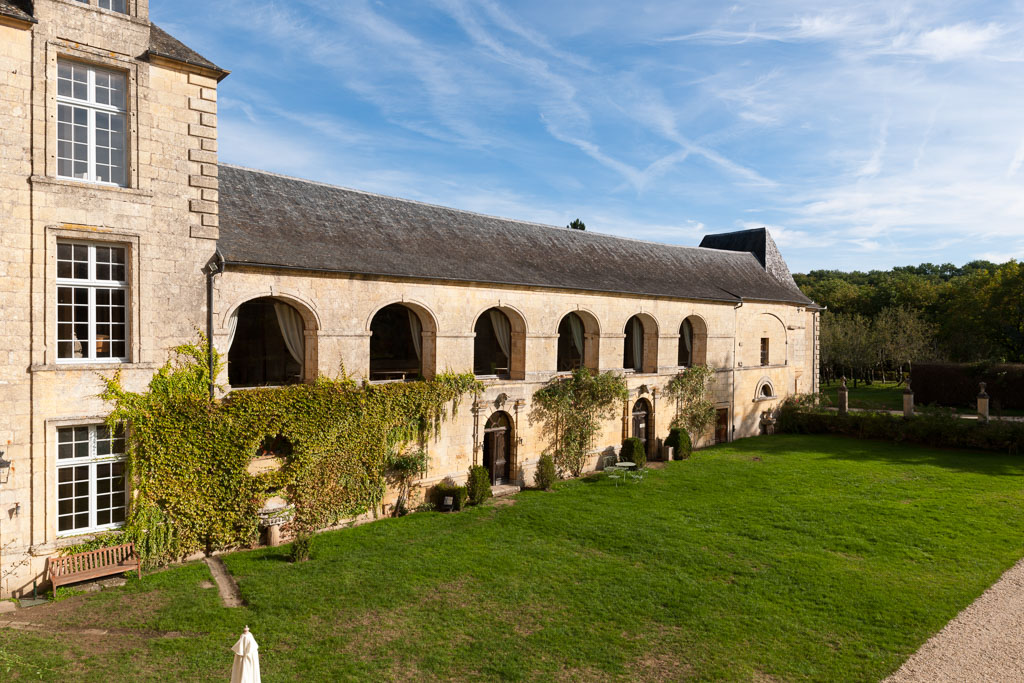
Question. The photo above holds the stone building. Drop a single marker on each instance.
(117, 223)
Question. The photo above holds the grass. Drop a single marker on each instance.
(874, 396)
(773, 558)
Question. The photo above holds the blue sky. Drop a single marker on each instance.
(864, 135)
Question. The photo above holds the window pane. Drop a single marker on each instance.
(115, 5)
(73, 327)
(73, 497)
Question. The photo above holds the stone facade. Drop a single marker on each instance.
(167, 219)
(164, 218)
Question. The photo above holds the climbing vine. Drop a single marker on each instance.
(572, 409)
(688, 390)
(188, 457)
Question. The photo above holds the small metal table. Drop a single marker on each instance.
(625, 465)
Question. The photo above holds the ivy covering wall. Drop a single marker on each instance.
(188, 457)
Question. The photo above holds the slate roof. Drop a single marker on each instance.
(758, 242)
(163, 44)
(17, 9)
(276, 221)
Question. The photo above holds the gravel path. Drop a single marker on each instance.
(230, 596)
(985, 642)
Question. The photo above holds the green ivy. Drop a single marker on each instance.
(694, 411)
(188, 456)
(572, 409)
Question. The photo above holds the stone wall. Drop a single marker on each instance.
(166, 218)
(339, 310)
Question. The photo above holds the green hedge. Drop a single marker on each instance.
(460, 494)
(479, 484)
(680, 442)
(951, 384)
(937, 429)
(546, 475)
(633, 451)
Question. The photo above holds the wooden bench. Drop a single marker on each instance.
(93, 564)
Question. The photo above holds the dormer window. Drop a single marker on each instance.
(91, 124)
(112, 5)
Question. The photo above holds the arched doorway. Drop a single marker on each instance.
(396, 344)
(498, 435)
(267, 344)
(642, 422)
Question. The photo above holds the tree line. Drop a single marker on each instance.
(884, 321)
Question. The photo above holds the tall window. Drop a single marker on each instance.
(92, 302)
(765, 357)
(91, 486)
(91, 124)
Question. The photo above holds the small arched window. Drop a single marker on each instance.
(767, 391)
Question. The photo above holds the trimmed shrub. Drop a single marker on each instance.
(448, 487)
(680, 442)
(479, 484)
(302, 546)
(545, 476)
(951, 384)
(932, 427)
(633, 451)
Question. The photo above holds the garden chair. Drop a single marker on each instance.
(637, 475)
(615, 474)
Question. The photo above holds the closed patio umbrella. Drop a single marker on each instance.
(246, 668)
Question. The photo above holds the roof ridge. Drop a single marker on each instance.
(582, 233)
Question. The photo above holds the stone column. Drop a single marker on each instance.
(983, 404)
(908, 401)
(844, 398)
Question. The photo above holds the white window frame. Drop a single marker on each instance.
(92, 284)
(92, 107)
(92, 460)
(96, 3)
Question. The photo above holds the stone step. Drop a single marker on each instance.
(501, 490)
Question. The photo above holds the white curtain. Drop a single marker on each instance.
(503, 331)
(688, 340)
(232, 329)
(576, 325)
(638, 344)
(293, 331)
(416, 328)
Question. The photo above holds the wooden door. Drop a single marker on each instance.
(722, 425)
(499, 457)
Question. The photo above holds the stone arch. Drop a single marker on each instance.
(697, 351)
(590, 358)
(427, 351)
(640, 356)
(264, 344)
(765, 390)
(488, 351)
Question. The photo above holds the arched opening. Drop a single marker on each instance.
(642, 425)
(499, 344)
(693, 342)
(398, 344)
(498, 436)
(572, 343)
(640, 347)
(267, 344)
(767, 391)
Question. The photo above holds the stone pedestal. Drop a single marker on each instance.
(274, 535)
(844, 398)
(983, 404)
(908, 402)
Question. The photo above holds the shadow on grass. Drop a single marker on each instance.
(868, 450)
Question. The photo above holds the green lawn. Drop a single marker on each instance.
(874, 396)
(776, 558)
